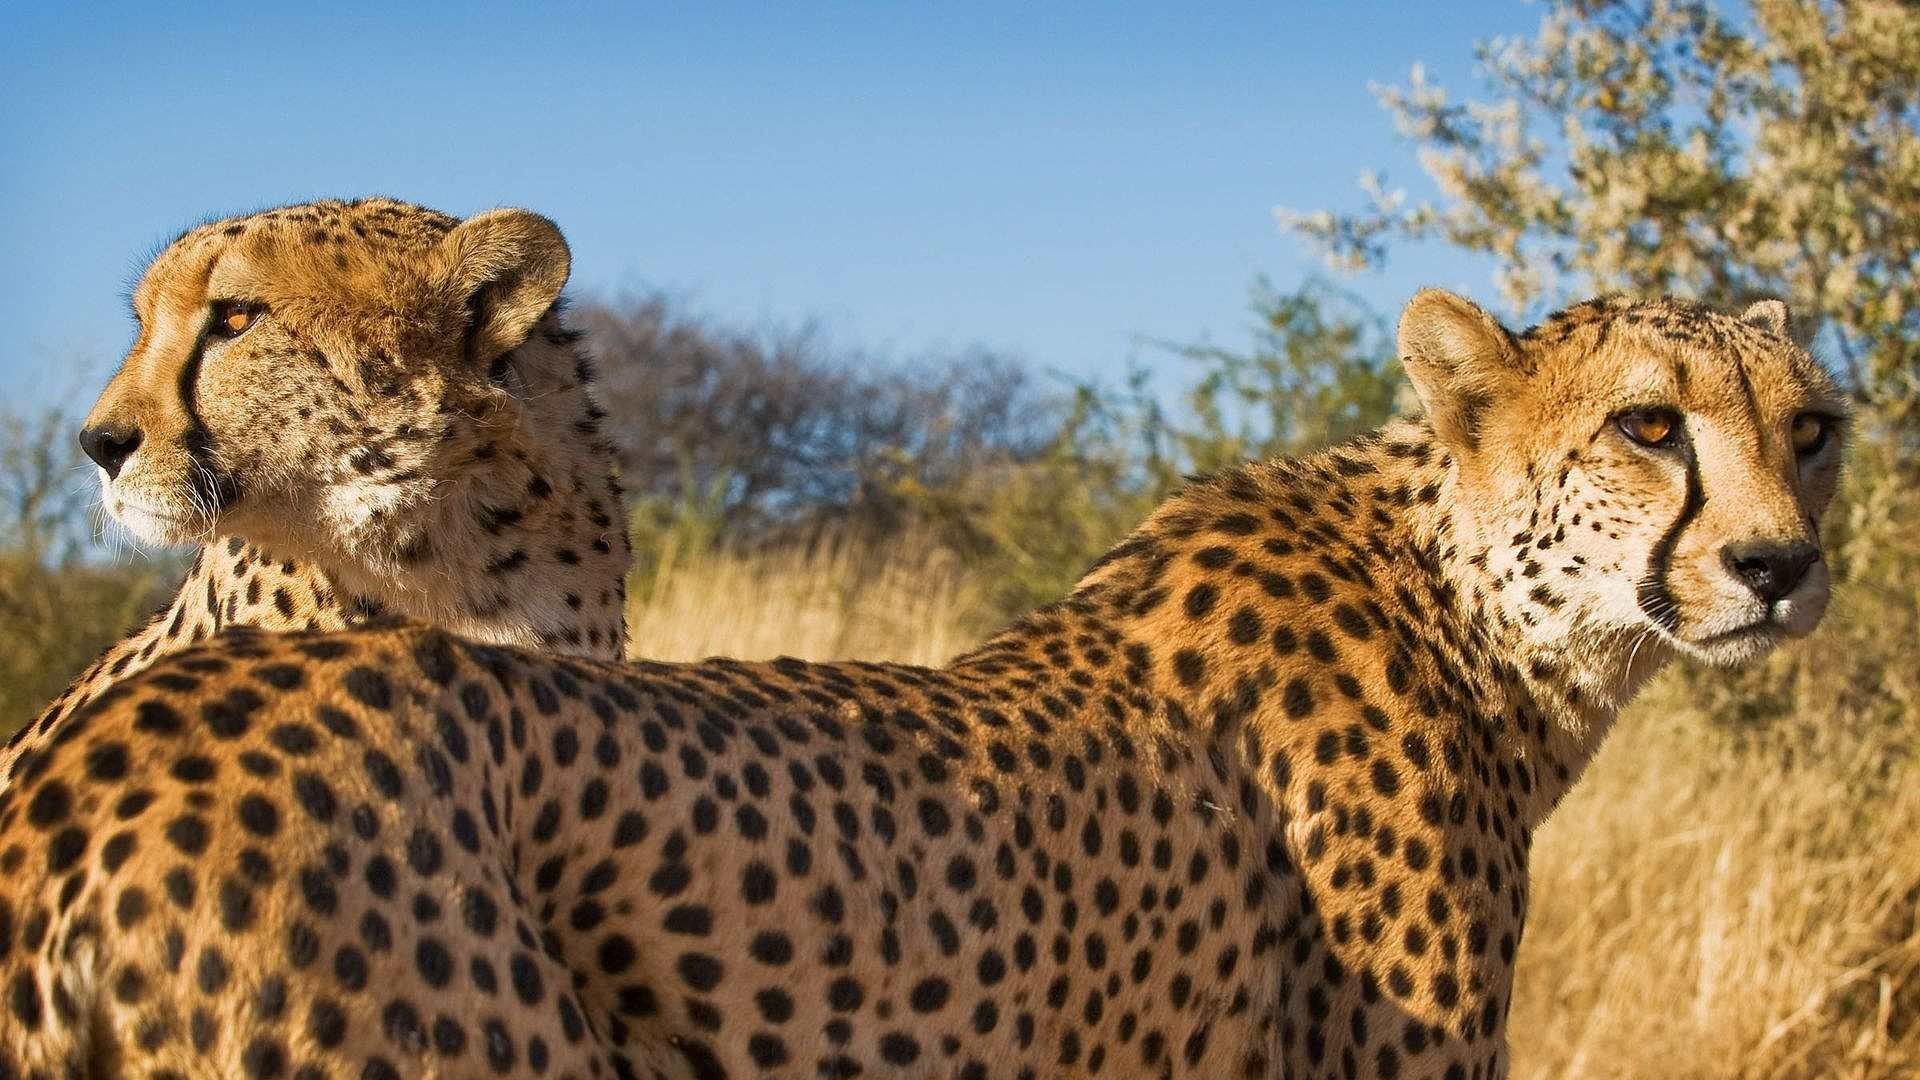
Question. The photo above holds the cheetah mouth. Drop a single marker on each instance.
(1765, 626)
(1738, 645)
(126, 510)
(158, 524)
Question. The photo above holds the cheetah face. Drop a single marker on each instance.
(1639, 474)
(309, 377)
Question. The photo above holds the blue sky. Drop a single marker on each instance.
(1059, 182)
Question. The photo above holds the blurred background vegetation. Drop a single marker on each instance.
(1735, 889)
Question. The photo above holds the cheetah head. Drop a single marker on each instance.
(313, 376)
(1636, 474)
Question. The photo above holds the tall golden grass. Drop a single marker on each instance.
(906, 601)
(1703, 906)
(1707, 909)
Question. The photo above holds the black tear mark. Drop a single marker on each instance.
(212, 486)
(1654, 596)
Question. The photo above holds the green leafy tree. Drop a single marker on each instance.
(1689, 147)
(1319, 368)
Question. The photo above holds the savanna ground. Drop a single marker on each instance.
(1733, 891)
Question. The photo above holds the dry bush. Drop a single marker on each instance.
(772, 429)
(58, 619)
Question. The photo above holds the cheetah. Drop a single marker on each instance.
(1255, 799)
(363, 411)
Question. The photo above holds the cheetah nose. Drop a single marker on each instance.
(109, 446)
(1770, 568)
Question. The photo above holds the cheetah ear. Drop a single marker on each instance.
(1459, 358)
(1769, 315)
(507, 267)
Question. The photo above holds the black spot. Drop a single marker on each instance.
(384, 774)
(700, 971)
(433, 961)
(899, 1048)
(315, 796)
(189, 833)
(423, 852)
(1385, 780)
(236, 906)
(50, 805)
(758, 883)
(691, 919)
(1189, 667)
(930, 995)
(369, 688)
(1351, 621)
(212, 973)
(449, 1038)
(64, 850)
(1200, 600)
(326, 1023)
(106, 762)
(617, 954)
(259, 816)
(526, 979)
(264, 1058)
(1298, 698)
(771, 947)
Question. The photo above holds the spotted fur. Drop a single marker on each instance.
(365, 452)
(1254, 800)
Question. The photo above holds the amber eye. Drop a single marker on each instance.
(1649, 427)
(231, 319)
(1809, 433)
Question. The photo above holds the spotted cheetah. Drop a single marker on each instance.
(1254, 800)
(364, 411)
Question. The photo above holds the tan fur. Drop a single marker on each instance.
(1255, 800)
(404, 433)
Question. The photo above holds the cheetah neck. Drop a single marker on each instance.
(533, 552)
(1409, 631)
(1545, 698)
(522, 539)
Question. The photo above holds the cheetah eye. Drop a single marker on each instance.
(1649, 427)
(1809, 433)
(231, 318)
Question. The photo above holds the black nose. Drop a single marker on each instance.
(110, 446)
(1771, 568)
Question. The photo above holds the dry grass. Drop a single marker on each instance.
(835, 600)
(1706, 911)
(1700, 910)
(54, 621)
